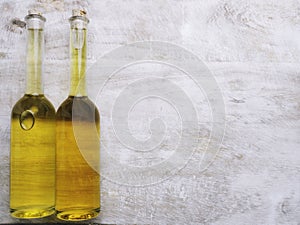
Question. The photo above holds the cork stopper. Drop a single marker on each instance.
(34, 12)
(78, 12)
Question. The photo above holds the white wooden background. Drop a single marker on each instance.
(253, 50)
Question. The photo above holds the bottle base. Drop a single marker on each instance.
(32, 212)
(77, 214)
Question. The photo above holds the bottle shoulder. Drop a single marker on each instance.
(39, 104)
(81, 108)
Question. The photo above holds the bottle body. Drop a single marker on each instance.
(78, 144)
(32, 158)
(77, 180)
(32, 147)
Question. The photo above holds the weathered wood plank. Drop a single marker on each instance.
(252, 48)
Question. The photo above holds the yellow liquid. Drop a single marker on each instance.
(32, 158)
(77, 161)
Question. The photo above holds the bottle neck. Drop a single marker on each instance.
(78, 44)
(34, 59)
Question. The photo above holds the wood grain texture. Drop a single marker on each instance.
(253, 50)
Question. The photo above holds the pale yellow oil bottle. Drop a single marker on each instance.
(32, 158)
(32, 146)
(77, 147)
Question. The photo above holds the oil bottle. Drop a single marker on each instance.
(77, 153)
(32, 147)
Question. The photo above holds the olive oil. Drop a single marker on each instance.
(32, 165)
(32, 154)
(77, 146)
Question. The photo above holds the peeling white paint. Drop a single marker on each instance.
(253, 50)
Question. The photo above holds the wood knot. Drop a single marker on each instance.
(18, 22)
(16, 26)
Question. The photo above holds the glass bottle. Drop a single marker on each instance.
(78, 128)
(32, 147)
